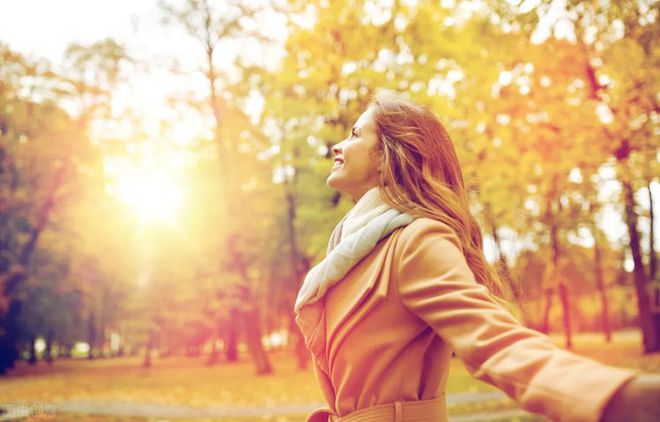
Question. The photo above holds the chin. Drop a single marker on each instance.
(330, 181)
(333, 183)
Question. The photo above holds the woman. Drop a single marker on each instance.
(405, 283)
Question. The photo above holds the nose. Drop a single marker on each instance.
(336, 148)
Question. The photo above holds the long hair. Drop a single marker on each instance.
(421, 175)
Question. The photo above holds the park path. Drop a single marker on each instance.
(16, 411)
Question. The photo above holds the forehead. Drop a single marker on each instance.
(366, 120)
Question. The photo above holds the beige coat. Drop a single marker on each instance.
(394, 320)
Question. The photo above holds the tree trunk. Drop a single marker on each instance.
(48, 354)
(33, 351)
(253, 334)
(91, 334)
(504, 265)
(558, 279)
(649, 321)
(147, 352)
(600, 285)
(8, 341)
(232, 336)
(566, 308)
(249, 311)
(213, 355)
(652, 256)
(598, 274)
(299, 268)
(15, 277)
(252, 324)
(545, 328)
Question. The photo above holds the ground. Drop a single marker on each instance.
(185, 389)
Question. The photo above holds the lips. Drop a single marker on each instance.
(338, 163)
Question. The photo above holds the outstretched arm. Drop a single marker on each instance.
(435, 283)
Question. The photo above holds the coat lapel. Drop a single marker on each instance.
(363, 287)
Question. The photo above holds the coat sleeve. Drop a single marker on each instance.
(435, 283)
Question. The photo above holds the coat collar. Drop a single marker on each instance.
(369, 278)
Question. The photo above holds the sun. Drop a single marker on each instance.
(151, 192)
(153, 196)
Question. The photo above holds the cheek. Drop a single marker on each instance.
(371, 162)
(361, 161)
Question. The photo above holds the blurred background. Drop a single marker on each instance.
(162, 186)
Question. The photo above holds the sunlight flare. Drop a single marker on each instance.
(151, 192)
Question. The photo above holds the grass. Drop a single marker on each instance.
(179, 380)
(188, 381)
(74, 417)
(174, 380)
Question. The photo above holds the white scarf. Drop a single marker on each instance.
(368, 207)
(370, 220)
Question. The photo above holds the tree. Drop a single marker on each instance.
(620, 70)
(47, 161)
(212, 26)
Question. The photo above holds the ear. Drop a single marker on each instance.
(379, 157)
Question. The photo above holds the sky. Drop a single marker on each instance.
(44, 29)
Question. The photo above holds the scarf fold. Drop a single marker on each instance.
(370, 220)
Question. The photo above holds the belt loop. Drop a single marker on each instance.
(398, 416)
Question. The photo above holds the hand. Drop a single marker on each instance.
(638, 400)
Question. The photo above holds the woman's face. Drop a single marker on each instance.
(356, 168)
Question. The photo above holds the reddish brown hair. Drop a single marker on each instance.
(421, 175)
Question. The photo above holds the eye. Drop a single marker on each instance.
(354, 133)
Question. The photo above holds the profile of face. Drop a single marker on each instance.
(356, 168)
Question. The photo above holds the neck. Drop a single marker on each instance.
(367, 207)
(359, 194)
